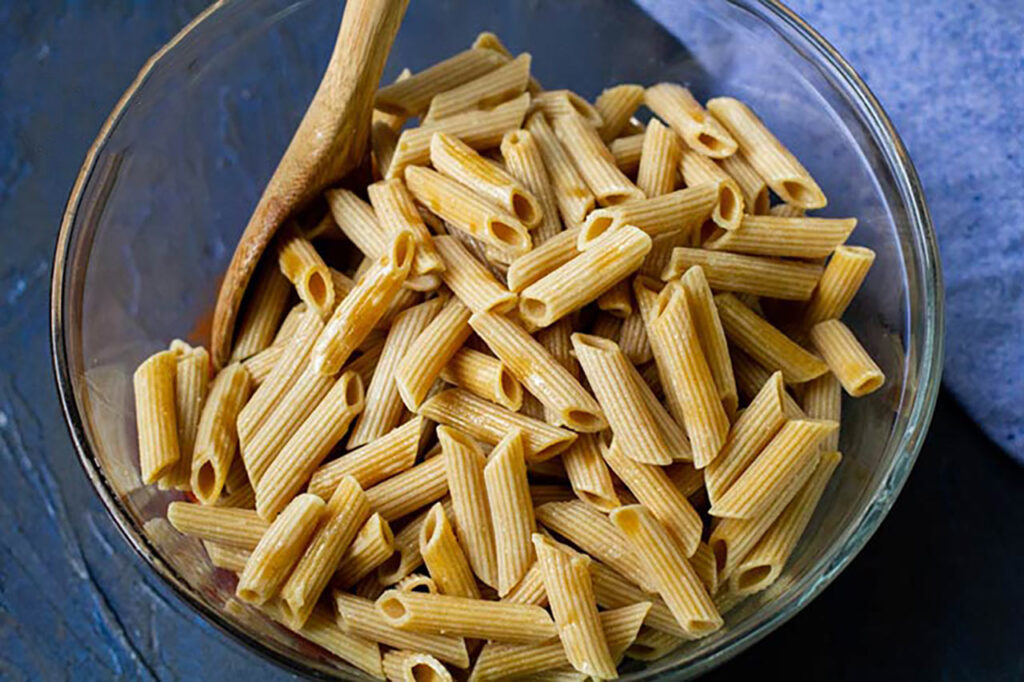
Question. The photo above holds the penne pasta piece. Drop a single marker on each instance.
(677, 582)
(322, 629)
(588, 473)
(620, 391)
(155, 415)
(464, 468)
(751, 431)
(494, 620)
(661, 252)
(768, 235)
(773, 162)
(262, 364)
(525, 163)
(406, 557)
(414, 582)
(461, 163)
(411, 96)
(571, 596)
(216, 441)
(633, 339)
(292, 322)
(227, 557)
(346, 512)
(770, 277)
(240, 528)
(548, 660)
(683, 210)
(846, 357)
(470, 281)
(383, 142)
(572, 194)
(372, 546)
(489, 423)
(556, 104)
(659, 159)
(485, 376)
(191, 380)
(383, 404)
(594, 161)
(357, 221)
(701, 302)
(751, 378)
(701, 132)
(616, 105)
(466, 210)
(585, 277)
(764, 563)
(626, 151)
(493, 88)
(756, 337)
(774, 469)
(489, 41)
(279, 550)
(612, 591)
(479, 129)
(591, 531)
(840, 281)
(508, 495)
(651, 645)
(703, 562)
(300, 456)
(823, 399)
(677, 350)
(410, 490)
(412, 666)
(543, 260)
(755, 191)
(656, 491)
(530, 362)
(397, 213)
(529, 590)
(359, 617)
(305, 269)
(286, 371)
(444, 557)
(698, 169)
(382, 458)
(431, 351)
(732, 539)
(237, 477)
(359, 312)
(616, 301)
(263, 309)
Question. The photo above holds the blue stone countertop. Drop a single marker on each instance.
(934, 595)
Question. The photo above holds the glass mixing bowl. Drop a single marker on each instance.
(169, 183)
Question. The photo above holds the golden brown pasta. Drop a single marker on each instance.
(411, 666)
(543, 260)
(305, 269)
(588, 473)
(840, 281)
(701, 132)
(555, 104)
(191, 383)
(444, 557)
(659, 158)
(410, 490)
(216, 441)
(768, 235)
(373, 544)
(572, 194)
(616, 105)
(755, 191)
(379, 459)
(489, 423)
(485, 376)
(594, 161)
(511, 510)
(470, 280)
(524, 161)
(701, 303)
(431, 351)
(683, 210)
(497, 86)
(406, 557)
(155, 415)
(846, 357)
(626, 151)
(540, 373)
(823, 399)
(263, 309)
(411, 96)
(698, 169)
(397, 213)
(241, 528)
(770, 277)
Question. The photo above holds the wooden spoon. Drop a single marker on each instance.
(330, 142)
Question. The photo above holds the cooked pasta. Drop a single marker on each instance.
(683, 210)
(701, 132)
(397, 213)
(588, 473)
(543, 260)
(556, 104)
(373, 544)
(659, 159)
(701, 303)
(616, 105)
(594, 161)
(263, 309)
(511, 510)
(216, 441)
(305, 269)
(572, 194)
(444, 558)
(846, 357)
(410, 490)
(191, 384)
(768, 235)
(155, 415)
(838, 284)
(767, 155)
(525, 163)
(698, 169)
(470, 280)
(411, 96)
(379, 459)
(497, 86)
(770, 277)
(426, 358)
(485, 376)
(753, 186)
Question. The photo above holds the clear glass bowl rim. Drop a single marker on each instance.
(923, 253)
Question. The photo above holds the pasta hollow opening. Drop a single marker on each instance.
(509, 387)
(711, 142)
(354, 391)
(752, 577)
(596, 226)
(317, 288)
(533, 307)
(402, 251)
(728, 205)
(583, 420)
(392, 607)
(618, 198)
(868, 384)
(523, 208)
(506, 233)
(424, 672)
(206, 481)
(798, 192)
(698, 626)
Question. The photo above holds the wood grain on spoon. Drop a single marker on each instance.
(330, 141)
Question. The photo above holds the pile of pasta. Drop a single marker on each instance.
(581, 395)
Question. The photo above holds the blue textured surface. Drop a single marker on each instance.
(74, 600)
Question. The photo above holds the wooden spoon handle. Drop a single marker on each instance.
(330, 142)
